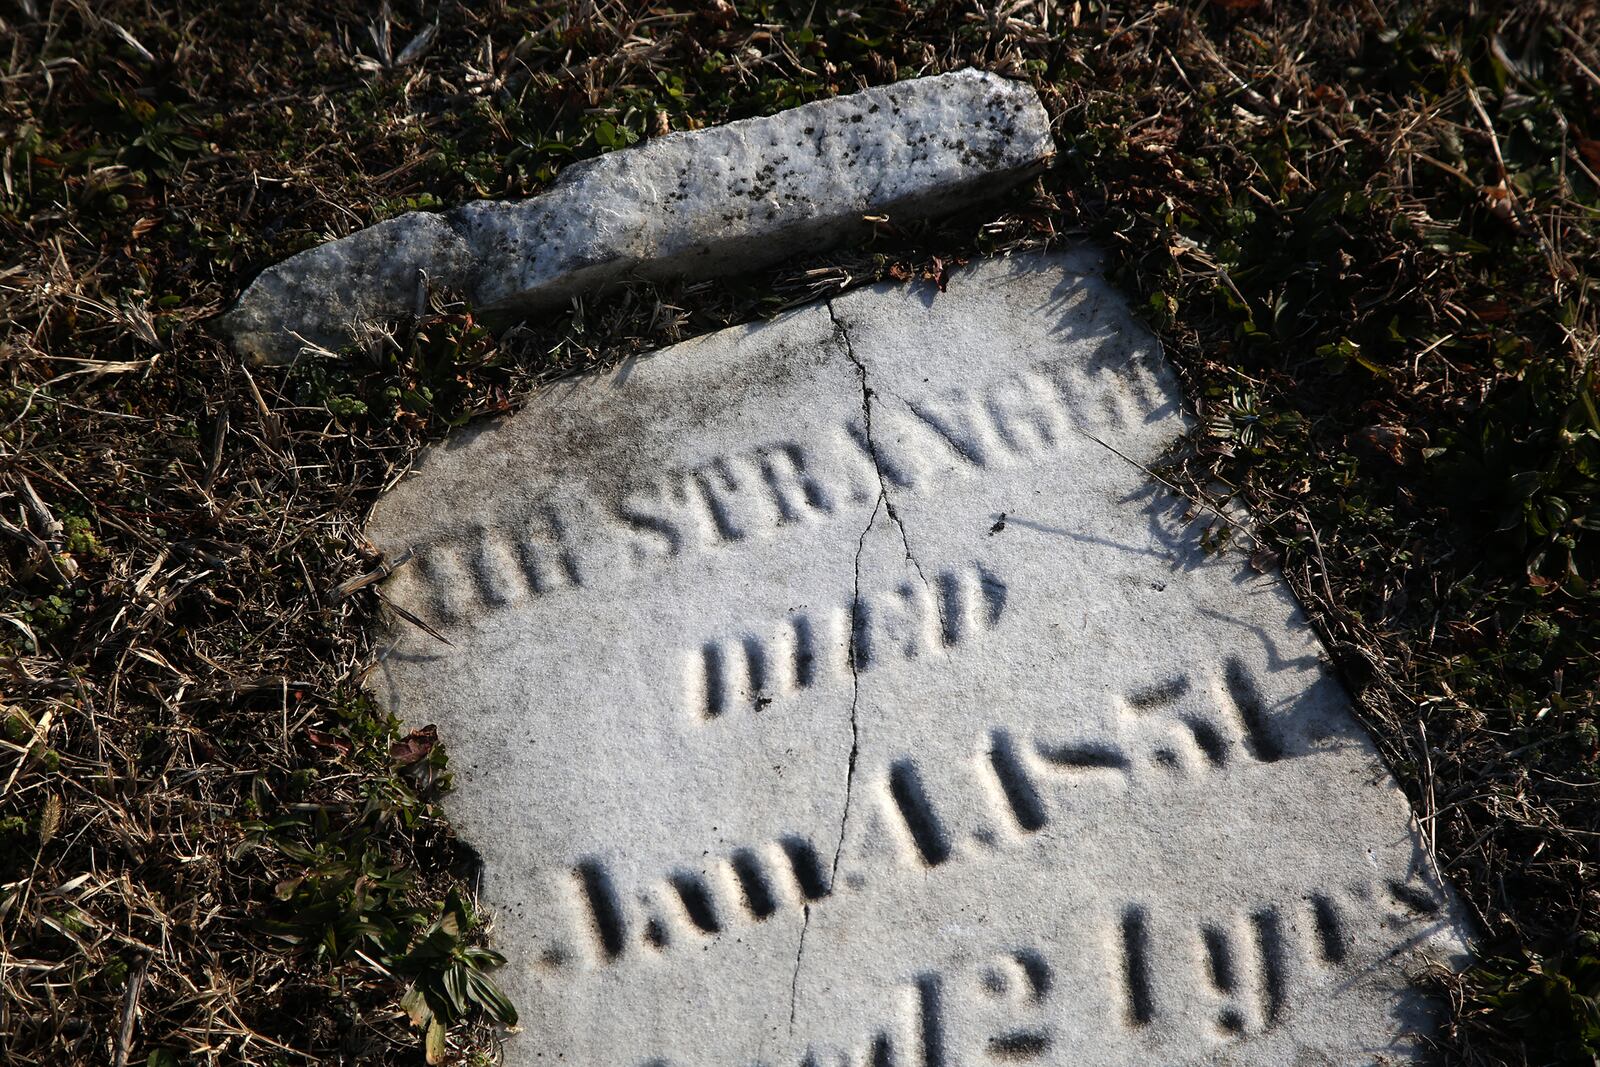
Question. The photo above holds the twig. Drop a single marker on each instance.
(50, 526)
(130, 1009)
(383, 570)
(406, 615)
(214, 464)
(1494, 139)
(39, 733)
(1200, 502)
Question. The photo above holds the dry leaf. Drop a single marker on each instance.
(328, 742)
(415, 746)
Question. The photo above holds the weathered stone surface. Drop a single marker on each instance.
(316, 300)
(829, 692)
(685, 205)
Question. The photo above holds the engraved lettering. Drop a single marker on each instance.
(959, 422)
(648, 511)
(1066, 378)
(497, 570)
(547, 559)
(808, 648)
(1023, 414)
(899, 624)
(765, 489)
(445, 573)
(719, 490)
(874, 462)
(796, 494)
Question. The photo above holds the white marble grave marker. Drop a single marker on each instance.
(839, 691)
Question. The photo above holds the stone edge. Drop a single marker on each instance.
(313, 301)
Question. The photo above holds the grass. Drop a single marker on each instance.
(1366, 234)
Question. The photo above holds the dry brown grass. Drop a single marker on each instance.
(1368, 239)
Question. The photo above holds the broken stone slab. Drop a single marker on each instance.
(840, 690)
(682, 206)
(319, 299)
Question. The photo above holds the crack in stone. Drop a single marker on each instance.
(886, 505)
(799, 954)
(850, 770)
(843, 334)
(855, 702)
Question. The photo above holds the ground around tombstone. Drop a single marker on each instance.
(1366, 239)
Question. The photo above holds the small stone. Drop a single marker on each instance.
(762, 723)
(680, 206)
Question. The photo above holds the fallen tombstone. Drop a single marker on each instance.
(842, 690)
